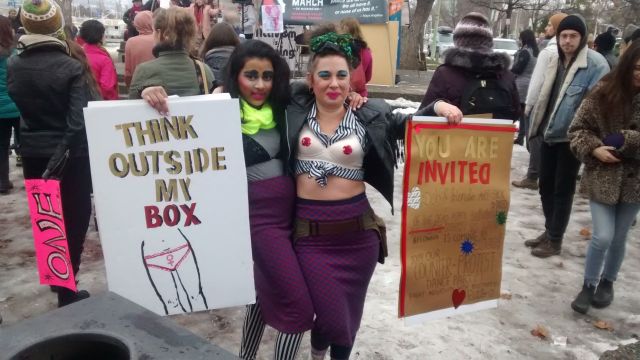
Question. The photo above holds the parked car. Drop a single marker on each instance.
(508, 46)
(445, 41)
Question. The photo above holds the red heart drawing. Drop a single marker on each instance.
(457, 297)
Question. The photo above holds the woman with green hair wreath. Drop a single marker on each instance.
(337, 237)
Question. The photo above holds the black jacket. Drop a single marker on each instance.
(50, 90)
(382, 126)
(217, 58)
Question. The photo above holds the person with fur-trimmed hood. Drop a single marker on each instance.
(471, 58)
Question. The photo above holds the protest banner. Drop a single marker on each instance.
(309, 12)
(171, 202)
(49, 233)
(283, 42)
(455, 206)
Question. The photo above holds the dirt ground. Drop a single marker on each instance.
(535, 292)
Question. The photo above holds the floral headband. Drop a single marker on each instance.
(339, 42)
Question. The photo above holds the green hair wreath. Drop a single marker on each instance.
(341, 42)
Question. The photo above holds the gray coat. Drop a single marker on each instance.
(523, 65)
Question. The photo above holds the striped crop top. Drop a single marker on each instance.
(340, 155)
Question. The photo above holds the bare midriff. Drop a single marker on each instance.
(337, 188)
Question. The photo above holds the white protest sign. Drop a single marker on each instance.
(171, 201)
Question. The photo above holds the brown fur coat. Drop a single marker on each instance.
(607, 183)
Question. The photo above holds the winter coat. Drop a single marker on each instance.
(174, 70)
(460, 66)
(382, 126)
(361, 75)
(587, 69)
(139, 48)
(137, 51)
(217, 59)
(50, 89)
(607, 183)
(612, 60)
(8, 109)
(103, 70)
(523, 65)
(537, 77)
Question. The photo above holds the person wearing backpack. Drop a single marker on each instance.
(473, 77)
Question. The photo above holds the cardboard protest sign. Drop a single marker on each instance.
(308, 12)
(49, 233)
(171, 201)
(456, 200)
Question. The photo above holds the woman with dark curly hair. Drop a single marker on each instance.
(259, 78)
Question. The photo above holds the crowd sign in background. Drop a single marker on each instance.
(172, 211)
(455, 206)
(306, 12)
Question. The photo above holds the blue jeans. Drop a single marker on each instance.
(611, 224)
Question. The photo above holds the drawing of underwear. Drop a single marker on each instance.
(168, 260)
(174, 275)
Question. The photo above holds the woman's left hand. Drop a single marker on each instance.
(356, 100)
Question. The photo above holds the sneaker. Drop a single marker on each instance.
(518, 141)
(604, 294)
(526, 183)
(546, 249)
(535, 242)
(582, 302)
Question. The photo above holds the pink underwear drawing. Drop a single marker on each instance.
(168, 260)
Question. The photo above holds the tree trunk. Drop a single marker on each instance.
(66, 10)
(413, 35)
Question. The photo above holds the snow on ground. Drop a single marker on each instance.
(536, 292)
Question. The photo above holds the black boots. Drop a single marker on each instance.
(66, 296)
(583, 301)
(604, 294)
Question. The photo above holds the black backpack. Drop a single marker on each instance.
(485, 94)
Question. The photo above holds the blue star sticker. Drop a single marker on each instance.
(466, 247)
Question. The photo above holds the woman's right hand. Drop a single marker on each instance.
(603, 153)
(157, 98)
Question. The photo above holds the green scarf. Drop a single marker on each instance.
(254, 119)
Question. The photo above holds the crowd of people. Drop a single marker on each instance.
(310, 146)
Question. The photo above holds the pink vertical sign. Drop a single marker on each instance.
(49, 233)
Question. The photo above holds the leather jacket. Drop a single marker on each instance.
(50, 89)
(383, 129)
